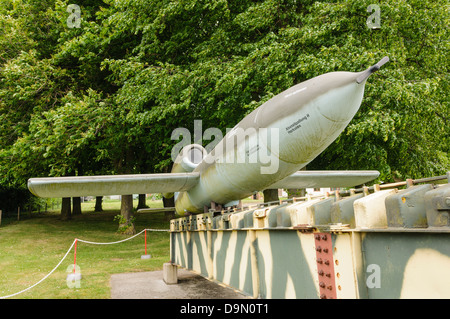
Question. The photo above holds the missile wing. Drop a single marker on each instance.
(75, 186)
(318, 179)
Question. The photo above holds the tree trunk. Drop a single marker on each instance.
(270, 195)
(141, 203)
(126, 210)
(98, 204)
(301, 192)
(66, 209)
(169, 202)
(76, 206)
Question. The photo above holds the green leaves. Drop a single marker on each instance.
(106, 97)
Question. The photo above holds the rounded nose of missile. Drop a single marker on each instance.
(341, 104)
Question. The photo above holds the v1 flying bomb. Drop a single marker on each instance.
(265, 150)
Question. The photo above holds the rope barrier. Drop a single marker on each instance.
(74, 243)
(110, 243)
(51, 272)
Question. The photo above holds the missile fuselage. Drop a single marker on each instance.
(307, 118)
(269, 145)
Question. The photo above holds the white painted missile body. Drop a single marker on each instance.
(264, 150)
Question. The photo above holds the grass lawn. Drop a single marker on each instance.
(31, 248)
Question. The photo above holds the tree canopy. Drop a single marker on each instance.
(105, 97)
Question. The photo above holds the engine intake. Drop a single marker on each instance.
(188, 159)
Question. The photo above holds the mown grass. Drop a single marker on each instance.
(31, 248)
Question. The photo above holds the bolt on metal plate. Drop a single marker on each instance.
(325, 265)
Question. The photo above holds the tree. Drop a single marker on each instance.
(76, 206)
(141, 201)
(126, 222)
(98, 204)
(169, 203)
(66, 210)
(32, 84)
(270, 195)
(220, 60)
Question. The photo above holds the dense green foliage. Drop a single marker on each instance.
(105, 97)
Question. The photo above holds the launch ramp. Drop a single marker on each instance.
(378, 242)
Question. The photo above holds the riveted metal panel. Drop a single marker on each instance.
(325, 265)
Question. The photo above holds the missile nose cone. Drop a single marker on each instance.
(342, 103)
(374, 68)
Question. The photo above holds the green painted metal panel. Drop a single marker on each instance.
(289, 267)
(394, 253)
